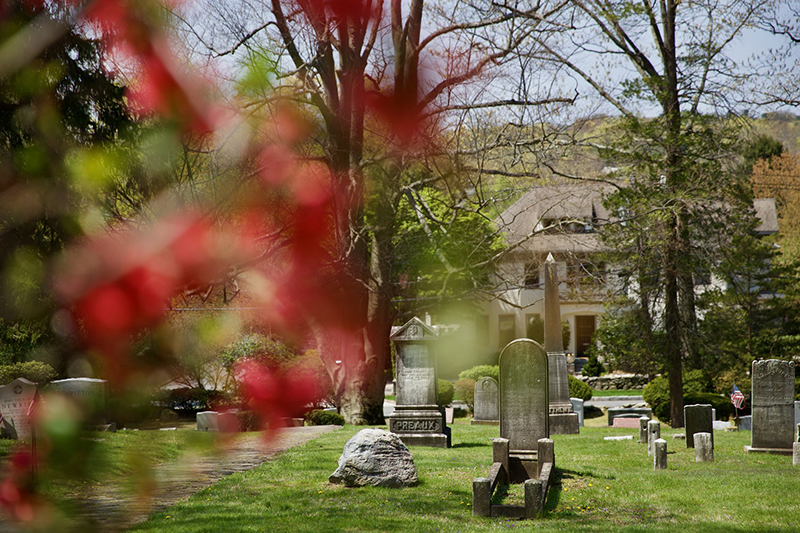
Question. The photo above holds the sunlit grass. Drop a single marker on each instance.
(600, 486)
(620, 392)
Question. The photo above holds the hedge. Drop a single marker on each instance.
(35, 371)
(477, 372)
(318, 417)
(446, 392)
(579, 389)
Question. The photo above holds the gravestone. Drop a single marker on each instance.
(698, 418)
(577, 407)
(487, 409)
(417, 419)
(208, 421)
(772, 406)
(643, 420)
(746, 423)
(15, 400)
(631, 412)
(660, 455)
(704, 448)
(563, 421)
(653, 433)
(796, 413)
(524, 405)
(89, 393)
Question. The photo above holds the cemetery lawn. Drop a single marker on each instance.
(599, 486)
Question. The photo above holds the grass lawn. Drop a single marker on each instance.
(599, 486)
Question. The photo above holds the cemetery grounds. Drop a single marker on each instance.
(599, 486)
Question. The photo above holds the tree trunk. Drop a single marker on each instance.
(673, 330)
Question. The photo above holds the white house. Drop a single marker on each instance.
(561, 220)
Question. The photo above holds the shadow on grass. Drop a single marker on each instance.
(590, 411)
(471, 445)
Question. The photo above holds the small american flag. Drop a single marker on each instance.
(737, 398)
(34, 404)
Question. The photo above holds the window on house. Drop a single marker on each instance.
(506, 329)
(584, 329)
(532, 275)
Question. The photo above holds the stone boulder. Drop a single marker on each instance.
(375, 457)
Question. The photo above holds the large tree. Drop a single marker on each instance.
(671, 61)
(379, 81)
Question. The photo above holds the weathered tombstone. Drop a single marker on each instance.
(563, 421)
(643, 420)
(653, 433)
(746, 423)
(208, 421)
(660, 455)
(796, 413)
(89, 393)
(524, 402)
(634, 412)
(15, 401)
(626, 422)
(698, 419)
(486, 407)
(795, 453)
(577, 407)
(417, 419)
(703, 448)
(772, 406)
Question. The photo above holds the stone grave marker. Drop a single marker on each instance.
(524, 404)
(660, 454)
(578, 408)
(486, 407)
(417, 419)
(772, 406)
(653, 433)
(90, 393)
(208, 421)
(563, 421)
(698, 418)
(704, 448)
(796, 413)
(15, 400)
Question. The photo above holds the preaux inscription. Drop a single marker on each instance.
(431, 425)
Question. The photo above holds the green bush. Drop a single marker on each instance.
(318, 417)
(656, 394)
(579, 389)
(188, 401)
(35, 371)
(270, 350)
(465, 388)
(477, 372)
(446, 392)
(593, 367)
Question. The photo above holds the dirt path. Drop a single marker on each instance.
(112, 509)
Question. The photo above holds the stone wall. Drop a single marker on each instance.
(615, 381)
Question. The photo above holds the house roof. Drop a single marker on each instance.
(581, 202)
(532, 211)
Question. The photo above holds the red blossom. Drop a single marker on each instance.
(17, 494)
(274, 396)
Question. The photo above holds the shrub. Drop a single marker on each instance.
(270, 350)
(446, 392)
(656, 394)
(190, 401)
(311, 362)
(248, 421)
(579, 389)
(696, 381)
(35, 371)
(465, 388)
(593, 367)
(318, 417)
(477, 372)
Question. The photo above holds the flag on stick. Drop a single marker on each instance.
(737, 398)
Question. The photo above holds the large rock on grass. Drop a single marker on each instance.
(375, 457)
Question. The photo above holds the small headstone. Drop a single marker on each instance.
(796, 413)
(90, 393)
(643, 429)
(228, 422)
(619, 437)
(631, 412)
(795, 453)
(15, 400)
(772, 405)
(660, 455)
(678, 436)
(625, 422)
(449, 414)
(698, 418)
(375, 457)
(720, 425)
(487, 408)
(578, 408)
(653, 433)
(207, 421)
(746, 423)
(703, 448)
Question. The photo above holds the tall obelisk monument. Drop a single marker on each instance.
(563, 421)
